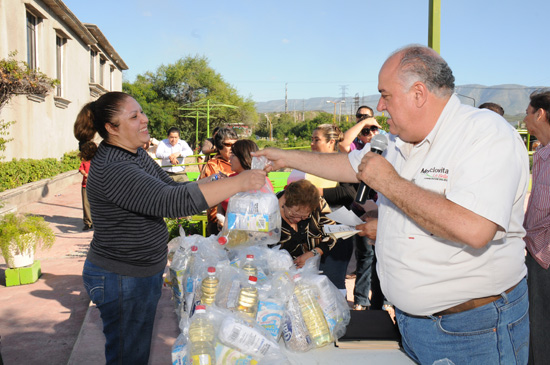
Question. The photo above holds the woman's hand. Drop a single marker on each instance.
(301, 260)
(252, 179)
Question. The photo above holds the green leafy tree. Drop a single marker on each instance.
(189, 80)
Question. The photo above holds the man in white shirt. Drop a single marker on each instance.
(451, 187)
(173, 151)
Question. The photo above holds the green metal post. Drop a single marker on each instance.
(197, 130)
(434, 26)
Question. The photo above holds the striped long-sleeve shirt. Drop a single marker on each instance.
(537, 216)
(129, 195)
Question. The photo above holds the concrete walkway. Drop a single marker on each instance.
(51, 321)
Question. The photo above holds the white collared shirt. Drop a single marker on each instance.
(477, 160)
(165, 149)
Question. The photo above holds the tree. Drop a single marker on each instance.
(186, 81)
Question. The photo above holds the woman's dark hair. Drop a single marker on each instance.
(302, 193)
(242, 149)
(540, 99)
(222, 135)
(87, 150)
(94, 115)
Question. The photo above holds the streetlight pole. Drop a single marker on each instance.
(334, 113)
(270, 127)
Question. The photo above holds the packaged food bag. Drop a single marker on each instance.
(253, 217)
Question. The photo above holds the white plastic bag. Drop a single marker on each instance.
(253, 217)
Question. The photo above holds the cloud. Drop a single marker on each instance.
(147, 13)
(195, 34)
(285, 41)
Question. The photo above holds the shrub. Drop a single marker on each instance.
(16, 173)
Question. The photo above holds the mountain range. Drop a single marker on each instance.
(513, 98)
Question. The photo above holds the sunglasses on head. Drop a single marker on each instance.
(368, 130)
(358, 115)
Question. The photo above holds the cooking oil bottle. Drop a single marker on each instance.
(312, 313)
(248, 266)
(201, 338)
(248, 299)
(209, 287)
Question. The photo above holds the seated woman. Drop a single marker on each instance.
(302, 222)
(240, 161)
(219, 164)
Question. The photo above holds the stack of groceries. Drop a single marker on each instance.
(248, 304)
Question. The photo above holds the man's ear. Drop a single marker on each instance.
(420, 93)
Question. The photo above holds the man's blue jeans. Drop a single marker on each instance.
(364, 254)
(127, 306)
(496, 333)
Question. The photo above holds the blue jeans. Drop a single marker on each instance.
(364, 254)
(127, 306)
(335, 263)
(496, 333)
(538, 281)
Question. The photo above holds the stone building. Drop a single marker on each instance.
(49, 37)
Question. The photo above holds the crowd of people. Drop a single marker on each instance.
(444, 243)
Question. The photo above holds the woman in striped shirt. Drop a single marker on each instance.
(129, 195)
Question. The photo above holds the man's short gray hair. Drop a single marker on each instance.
(420, 63)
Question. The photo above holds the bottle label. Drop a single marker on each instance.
(203, 359)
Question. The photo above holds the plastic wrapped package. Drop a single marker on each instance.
(294, 330)
(253, 217)
(179, 350)
(312, 313)
(248, 338)
(333, 304)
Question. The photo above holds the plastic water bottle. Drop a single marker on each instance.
(249, 268)
(209, 287)
(201, 338)
(190, 282)
(312, 313)
(248, 299)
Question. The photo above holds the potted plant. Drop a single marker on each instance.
(21, 235)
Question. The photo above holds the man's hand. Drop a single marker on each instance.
(174, 158)
(376, 172)
(275, 156)
(368, 229)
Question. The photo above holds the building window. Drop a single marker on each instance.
(31, 41)
(60, 43)
(93, 55)
(111, 78)
(102, 71)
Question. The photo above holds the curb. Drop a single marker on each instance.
(38, 190)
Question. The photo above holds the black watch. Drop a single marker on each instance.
(315, 252)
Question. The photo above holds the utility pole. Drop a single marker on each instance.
(434, 25)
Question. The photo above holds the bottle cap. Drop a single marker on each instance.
(194, 248)
(200, 309)
(249, 256)
(297, 277)
(252, 279)
(211, 269)
(222, 240)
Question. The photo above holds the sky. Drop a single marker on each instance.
(323, 48)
